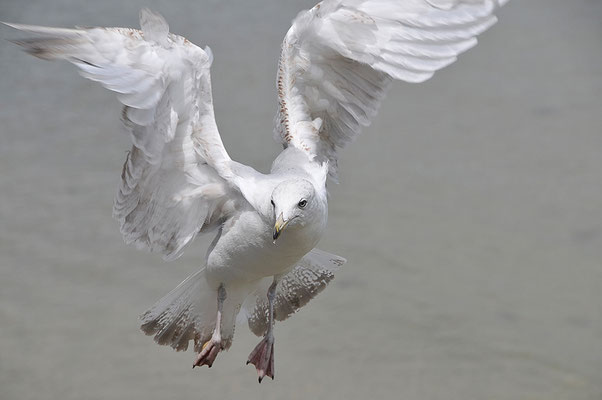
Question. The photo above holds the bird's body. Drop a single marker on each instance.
(245, 249)
(337, 61)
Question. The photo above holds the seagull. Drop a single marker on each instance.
(337, 61)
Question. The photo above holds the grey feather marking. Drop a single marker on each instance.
(296, 289)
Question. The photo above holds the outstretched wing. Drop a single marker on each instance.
(168, 191)
(339, 58)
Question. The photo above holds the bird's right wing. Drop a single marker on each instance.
(169, 190)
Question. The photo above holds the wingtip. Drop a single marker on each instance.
(44, 30)
(11, 24)
(24, 45)
(19, 27)
(15, 41)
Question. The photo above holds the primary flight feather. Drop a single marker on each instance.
(337, 61)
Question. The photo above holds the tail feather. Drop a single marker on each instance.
(295, 289)
(186, 313)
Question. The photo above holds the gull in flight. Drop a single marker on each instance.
(178, 181)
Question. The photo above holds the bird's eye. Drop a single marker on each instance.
(302, 203)
(273, 205)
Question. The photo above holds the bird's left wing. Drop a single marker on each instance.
(170, 190)
(339, 58)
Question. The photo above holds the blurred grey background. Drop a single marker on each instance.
(470, 213)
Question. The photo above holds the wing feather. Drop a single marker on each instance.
(339, 58)
(169, 191)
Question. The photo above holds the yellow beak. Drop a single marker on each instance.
(279, 226)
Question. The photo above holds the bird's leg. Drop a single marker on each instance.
(213, 346)
(263, 354)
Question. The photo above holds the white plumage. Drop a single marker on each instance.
(339, 58)
(337, 61)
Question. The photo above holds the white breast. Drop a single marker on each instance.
(246, 251)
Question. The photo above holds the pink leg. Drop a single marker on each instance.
(263, 354)
(212, 347)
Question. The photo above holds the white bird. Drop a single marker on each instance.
(337, 61)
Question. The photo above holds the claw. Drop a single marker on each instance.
(263, 358)
(209, 352)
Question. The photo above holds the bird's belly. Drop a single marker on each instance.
(246, 251)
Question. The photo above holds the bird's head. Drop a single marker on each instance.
(295, 203)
